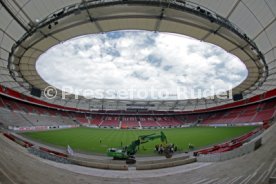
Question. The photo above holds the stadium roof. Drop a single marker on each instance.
(245, 28)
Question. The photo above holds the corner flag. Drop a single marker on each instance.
(70, 151)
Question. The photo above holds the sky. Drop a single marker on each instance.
(144, 61)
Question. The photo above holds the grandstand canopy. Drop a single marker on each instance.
(245, 28)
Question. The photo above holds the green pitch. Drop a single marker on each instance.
(99, 140)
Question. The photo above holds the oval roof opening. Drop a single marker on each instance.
(140, 65)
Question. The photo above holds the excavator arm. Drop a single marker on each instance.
(132, 149)
(128, 152)
(146, 138)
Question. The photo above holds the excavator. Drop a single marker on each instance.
(128, 152)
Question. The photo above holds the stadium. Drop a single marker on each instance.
(52, 134)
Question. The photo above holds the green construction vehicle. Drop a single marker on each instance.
(128, 152)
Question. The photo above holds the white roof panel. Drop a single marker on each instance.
(272, 6)
(4, 54)
(84, 29)
(263, 42)
(261, 11)
(271, 33)
(244, 19)
(270, 56)
(168, 26)
(121, 24)
(47, 43)
(5, 19)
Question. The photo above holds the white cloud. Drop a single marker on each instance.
(140, 60)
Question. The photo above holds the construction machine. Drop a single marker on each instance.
(128, 152)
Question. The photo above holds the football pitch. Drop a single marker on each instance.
(97, 141)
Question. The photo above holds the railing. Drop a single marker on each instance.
(254, 142)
